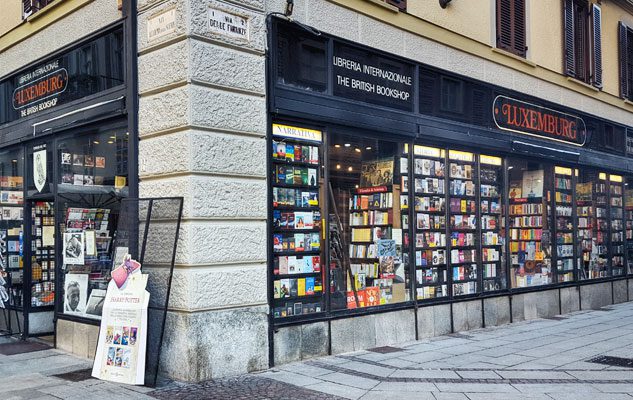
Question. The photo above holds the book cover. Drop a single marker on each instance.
(312, 176)
(305, 154)
(277, 290)
(372, 296)
(283, 265)
(277, 242)
(290, 152)
(307, 264)
(298, 176)
(290, 175)
(301, 287)
(285, 288)
(298, 152)
(310, 286)
(316, 263)
(281, 174)
(292, 265)
(294, 289)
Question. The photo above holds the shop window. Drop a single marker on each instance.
(616, 224)
(93, 177)
(12, 228)
(583, 46)
(511, 35)
(30, 7)
(625, 36)
(297, 250)
(452, 99)
(564, 226)
(629, 142)
(301, 59)
(628, 220)
(593, 227)
(529, 217)
(368, 222)
(493, 232)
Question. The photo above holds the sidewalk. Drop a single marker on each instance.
(570, 357)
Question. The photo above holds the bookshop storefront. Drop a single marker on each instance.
(407, 201)
(66, 161)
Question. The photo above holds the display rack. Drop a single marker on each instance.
(430, 222)
(298, 276)
(628, 212)
(12, 238)
(616, 215)
(564, 226)
(463, 226)
(529, 260)
(492, 222)
(42, 255)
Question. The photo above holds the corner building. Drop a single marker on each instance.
(373, 172)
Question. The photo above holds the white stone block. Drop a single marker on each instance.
(164, 66)
(165, 110)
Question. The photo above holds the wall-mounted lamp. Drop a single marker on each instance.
(290, 5)
(444, 3)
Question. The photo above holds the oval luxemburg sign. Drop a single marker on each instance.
(529, 119)
(49, 85)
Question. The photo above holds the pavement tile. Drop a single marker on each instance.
(449, 396)
(338, 390)
(406, 387)
(291, 378)
(350, 380)
(589, 396)
(614, 387)
(478, 375)
(555, 388)
(605, 375)
(534, 375)
(425, 374)
(476, 387)
(395, 395)
(304, 369)
(504, 396)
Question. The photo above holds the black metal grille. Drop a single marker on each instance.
(613, 361)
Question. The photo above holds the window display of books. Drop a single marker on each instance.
(564, 226)
(12, 237)
(87, 254)
(529, 259)
(430, 222)
(492, 223)
(463, 224)
(616, 214)
(628, 212)
(83, 169)
(593, 227)
(297, 269)
(42, 254)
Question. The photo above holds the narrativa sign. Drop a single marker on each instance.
(521, 117)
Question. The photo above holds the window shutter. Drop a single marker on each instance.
(624, 60)
(504, 25)
(570, 54)
(597, 45)
(27, 8)
(519, 27)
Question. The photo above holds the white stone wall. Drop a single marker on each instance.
(202, 129)
(84, 21)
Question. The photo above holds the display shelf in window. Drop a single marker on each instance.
(463, 224)
(492, 223)
(528, 259)
(616, 216)
(563, 213)
(430, 222)
(298, 276)
(42, 255)
(12, 228)
(592, 222)
(628, 212)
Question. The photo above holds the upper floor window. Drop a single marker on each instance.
(626, 61)
(511, 26)
(583, 48)
(401, 4)
(30, 7)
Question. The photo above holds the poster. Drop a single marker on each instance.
(39, 169)
(75, 293)
(122, 341)
(377, 173)
(48, 235)
(533, 183)
(73, 248)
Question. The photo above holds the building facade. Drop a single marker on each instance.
(361, 173)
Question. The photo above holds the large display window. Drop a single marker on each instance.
(12, 227)
(564, 224)
(368, 266)
(93, 176)
(530, 226)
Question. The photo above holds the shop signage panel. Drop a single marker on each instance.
(530, 119)
(294, 132)
(92, 67)
(370, 77)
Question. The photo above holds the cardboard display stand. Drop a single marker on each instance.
(123, 335)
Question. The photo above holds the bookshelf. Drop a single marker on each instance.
(529, 260)
(617, 234)
(628, 214)
(42, 254)
(563, 212)
(12, 238)
(296, 217)
(492, 222)
(463, 225)
(430, 222)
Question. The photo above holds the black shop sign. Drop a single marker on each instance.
(370, 77)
